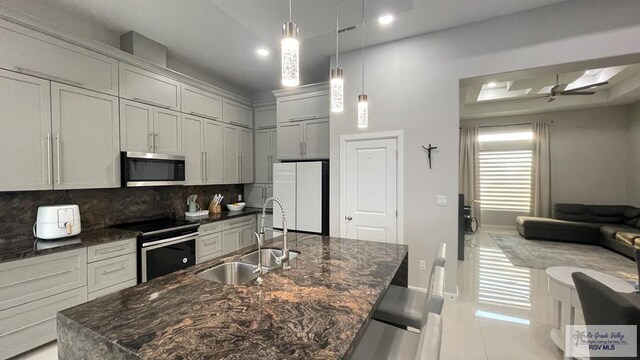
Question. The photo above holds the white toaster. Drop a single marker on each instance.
(57, 221)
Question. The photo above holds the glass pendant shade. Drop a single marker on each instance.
(337, 90)
(290, 55)
(363, 111)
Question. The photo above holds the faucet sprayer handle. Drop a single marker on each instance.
(259, 237)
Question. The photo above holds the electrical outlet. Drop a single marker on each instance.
(423, 265)
(441, 200)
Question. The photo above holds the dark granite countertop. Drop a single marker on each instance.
(318, 309)
(227, 215)
(28, 246)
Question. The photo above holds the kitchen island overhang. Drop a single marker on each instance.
(318, 309)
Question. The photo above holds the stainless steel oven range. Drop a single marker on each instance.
(164, 246)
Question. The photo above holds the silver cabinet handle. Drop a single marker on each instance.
(241, 169)
(269, 168)
(301, 148)
(238, 124)
(45, 75)
(58, 153)
(303, 118)
(304, 145)
(202, 168)
(206, 165)
(155, 141)
(38, 278)
(151, 103)
(49, 165)
(113, 270)
(150, 141)
(348, 218)
(203, 115)
(111, 251)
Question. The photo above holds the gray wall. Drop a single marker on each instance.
(633, 163)
(588, 156)
(413, 85)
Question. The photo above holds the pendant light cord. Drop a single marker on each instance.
(363, 46)
(289, 10)
(337, 32)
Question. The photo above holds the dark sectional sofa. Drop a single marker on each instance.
(616, 227)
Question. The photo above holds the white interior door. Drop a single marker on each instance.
(371, 190)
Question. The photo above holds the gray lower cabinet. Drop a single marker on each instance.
(32, 324)
(207, 246)
(224, 237)
(112, 267)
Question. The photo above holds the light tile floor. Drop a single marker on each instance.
(502, 311)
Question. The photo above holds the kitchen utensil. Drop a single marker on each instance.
(191, 203)
(57, 221)
(236, 206)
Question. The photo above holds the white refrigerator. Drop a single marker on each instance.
(303, 188)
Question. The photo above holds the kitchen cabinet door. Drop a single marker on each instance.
(290, 141)
(262, 156)
(237, 114)
(230, 241)
(304, 107)
(264, 117)
(213, 152)
(231, 163)
(245, 150)
(274, 152)
(150, 88)
(316, 139)
(201, 103)
(136, 126)
(167, 137)
(246, 236)
(86, 138)
(192, 149)
(25, 139)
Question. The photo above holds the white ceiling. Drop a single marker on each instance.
(514, 94)
(221, 36)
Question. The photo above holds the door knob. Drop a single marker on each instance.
(348, 218)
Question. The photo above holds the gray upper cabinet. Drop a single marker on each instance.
(309, 106)
(25, 139)
(146, 128)
(192, 149)
(201, 103)
(265, 155)
(237, 114)
(290, 141)
(214, 153)
(147, 87)
(315, 143)
(86, 139)
(34, 53)
(167, 127)
(136, 126)
(231, 166)
(245, 149)
(264, 117)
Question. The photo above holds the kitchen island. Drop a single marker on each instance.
(318, 309)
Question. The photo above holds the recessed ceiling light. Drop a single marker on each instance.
(385, 19)
(262, 52)
(491, 85)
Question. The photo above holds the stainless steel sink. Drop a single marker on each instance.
(232, 273)
(268, 257)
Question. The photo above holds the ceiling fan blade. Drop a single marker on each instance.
(531, 98)
(589, 86)
(551, 99)
(566, 93)
(561, 87)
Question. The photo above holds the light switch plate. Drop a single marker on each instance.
(441, 200)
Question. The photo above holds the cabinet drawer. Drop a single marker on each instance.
(148, 87)
(30, 325)
(111, 289)
(230, 224)
(208, 244)
(34, 53)
(209, 257)
(303, 107)
(23, 281)
(105, 273)
(201, 103)
(236, 114)
(106, 251)
(210, 228)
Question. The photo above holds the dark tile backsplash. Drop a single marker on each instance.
(101, 208)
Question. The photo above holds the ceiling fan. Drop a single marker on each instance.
(559, 90)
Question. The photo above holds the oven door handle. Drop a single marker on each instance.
(171, 241)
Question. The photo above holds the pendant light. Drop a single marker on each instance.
(363, 101)
(337, 78)
(290, 53)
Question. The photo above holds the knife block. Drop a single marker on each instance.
(215, 208)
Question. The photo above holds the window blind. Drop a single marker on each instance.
(505, 180)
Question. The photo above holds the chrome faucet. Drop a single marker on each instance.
(284, 259)
(258, 268)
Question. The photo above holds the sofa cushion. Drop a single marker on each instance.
(610, 230)
(619, 219)
(555, 224)
(637, 242)
(607, 210)
(570, 208)
(627, 237)
(632, 213)
(571, 217)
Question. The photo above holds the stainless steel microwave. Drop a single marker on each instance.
(150, 169)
